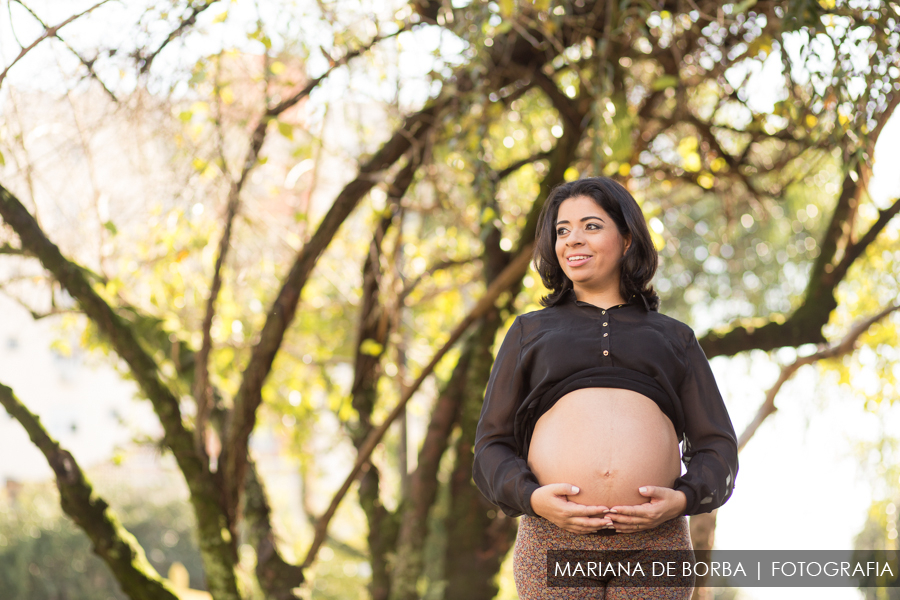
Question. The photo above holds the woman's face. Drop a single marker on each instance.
(589, 246)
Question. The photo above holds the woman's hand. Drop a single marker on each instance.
(664, 504)
(552, 502)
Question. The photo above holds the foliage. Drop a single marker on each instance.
(43, 555)
(284, 209)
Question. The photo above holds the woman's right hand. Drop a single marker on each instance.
(552, 502)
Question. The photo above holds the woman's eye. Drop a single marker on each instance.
(561, 231)
(593, 226)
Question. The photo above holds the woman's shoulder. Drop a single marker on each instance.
(672, 327)
(536, 322)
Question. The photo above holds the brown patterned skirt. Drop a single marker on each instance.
(538, 535)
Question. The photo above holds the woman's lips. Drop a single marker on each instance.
(577, 260)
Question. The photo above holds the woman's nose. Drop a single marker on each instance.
(574, 239)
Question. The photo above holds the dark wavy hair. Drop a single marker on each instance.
(640, 260)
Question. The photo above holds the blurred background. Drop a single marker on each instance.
(255, 258)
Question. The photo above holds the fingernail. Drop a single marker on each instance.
(643, 490)
(613, 511)
(575, 490)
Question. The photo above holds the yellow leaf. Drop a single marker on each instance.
(371, 347)
(199, 164)
(811, 120)
(687, 144)
(286, 129)
(227, 95)
(624, 169)
(692, 162)
(220, 18)
(277, 67)
(507, 7)
(705, 180)
(718, 164)
(182, 254)
(761, 44)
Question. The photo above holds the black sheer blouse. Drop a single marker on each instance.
(574, 345)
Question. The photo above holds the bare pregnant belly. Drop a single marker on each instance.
(608, 442)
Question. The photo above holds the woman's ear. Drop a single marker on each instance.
(627, 243)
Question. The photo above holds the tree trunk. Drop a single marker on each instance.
(703, 536)
(410, 562)
(478, 534)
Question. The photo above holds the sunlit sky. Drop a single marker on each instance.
(799, 485)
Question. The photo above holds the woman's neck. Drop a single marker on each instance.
(601, 298)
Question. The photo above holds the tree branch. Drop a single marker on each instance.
(11, 250)
(217, 549)
(202, 391)
(856, 249)
(243, 417)
(560, 101)
(49, 32)
(112, 542)
(510, 276)
(502, 174)
(147, 61)
(89, 64)
(845, 346)
(276, 576)
(430, 271)
(309, 87)
(805, 324)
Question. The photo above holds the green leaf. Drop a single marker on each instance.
(743, 6)
(286, 129)
(666, 81)
(2, 160)
(111, 227)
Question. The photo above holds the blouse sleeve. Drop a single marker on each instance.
(710, 445)
(499, 472)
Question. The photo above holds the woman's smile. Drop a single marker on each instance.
(577, 260)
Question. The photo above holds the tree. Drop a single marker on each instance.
(761, 212)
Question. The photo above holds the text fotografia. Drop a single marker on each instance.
(724, 568)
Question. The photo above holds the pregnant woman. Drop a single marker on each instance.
(589, 398)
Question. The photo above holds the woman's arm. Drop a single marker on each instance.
(710, 444)
(501, 475)
(498, 470)
(710, 454)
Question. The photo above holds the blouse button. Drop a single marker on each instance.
(606, 353)
(605, 324)
(602, 312)
(605, 334)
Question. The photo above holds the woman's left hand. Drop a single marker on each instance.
(664, 504)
